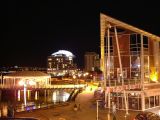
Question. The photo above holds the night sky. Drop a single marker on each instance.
(33, 30)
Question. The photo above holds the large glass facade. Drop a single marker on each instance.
(135, 61)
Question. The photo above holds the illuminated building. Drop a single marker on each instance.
(91, 60)
(35, 79)
(61, 63)
(130, 61)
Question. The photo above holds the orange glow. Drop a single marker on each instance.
(19, 95)
(21, 82)
(154, 75)
(32, 82)
(36, 96)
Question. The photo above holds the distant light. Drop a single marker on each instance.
(36, 96)
(32, 82)
(16, 66)
(49, 59)
(19, 95)
(65, 96)
(54, 97)
(74, 77)
(21, 82)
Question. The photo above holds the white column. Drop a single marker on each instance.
(159, 100)
(142, 64)
(149, 102)
(108, 66)
(97, 109)
(143, 100)
(14, 83)
(130, 65)
(156, 54)
(25, 97)
(148, 68)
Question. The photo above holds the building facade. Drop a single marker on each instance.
(29, 79)
(61, 63)
(92, 61)
(130, 61)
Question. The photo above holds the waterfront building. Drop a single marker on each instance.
(31, 79)
(92, 61)
(60, 63)
(130, 61)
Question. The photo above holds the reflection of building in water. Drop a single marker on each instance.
(130, 60)
(4, 110)
(60, 96)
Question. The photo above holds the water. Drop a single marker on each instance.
(32, 99)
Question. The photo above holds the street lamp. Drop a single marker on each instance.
(74, 77)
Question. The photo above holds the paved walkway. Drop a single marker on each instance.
(87, 111)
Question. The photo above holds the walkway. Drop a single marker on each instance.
(87, 111)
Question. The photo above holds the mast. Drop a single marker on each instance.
(120, 64)
(108, 65)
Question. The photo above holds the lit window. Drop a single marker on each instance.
(49, 59)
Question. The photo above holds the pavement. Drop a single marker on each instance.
(87, 110)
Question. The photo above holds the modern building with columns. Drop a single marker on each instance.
(130, 61)
(29, 79)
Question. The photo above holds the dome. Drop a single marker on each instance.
(27, 74)
(63, 52)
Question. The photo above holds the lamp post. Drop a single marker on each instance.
(79, 76)
(74, 77)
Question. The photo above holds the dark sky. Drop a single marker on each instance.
(33, 30)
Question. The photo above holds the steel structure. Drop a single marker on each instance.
(130, 65)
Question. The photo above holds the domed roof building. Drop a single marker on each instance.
(60, 63)
(63, 52)
(35, 79)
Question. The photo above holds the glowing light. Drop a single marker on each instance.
(74, 77)
(54, 97)
(21, 82)
(65, 96)
(25, 100)
(29, 94)
(154, 75)
(79, 75)
(4, 110)
(32, 82)
(36, 96)
(19, 95)
(159, 112)
(65, 52)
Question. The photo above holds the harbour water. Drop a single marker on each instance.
(19, 101)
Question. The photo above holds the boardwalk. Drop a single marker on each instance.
(87, 111)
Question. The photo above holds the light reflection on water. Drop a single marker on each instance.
(59, 96)
(35, 100)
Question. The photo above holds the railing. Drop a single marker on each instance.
(9, 118)
(43, 86)
(68, 86)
